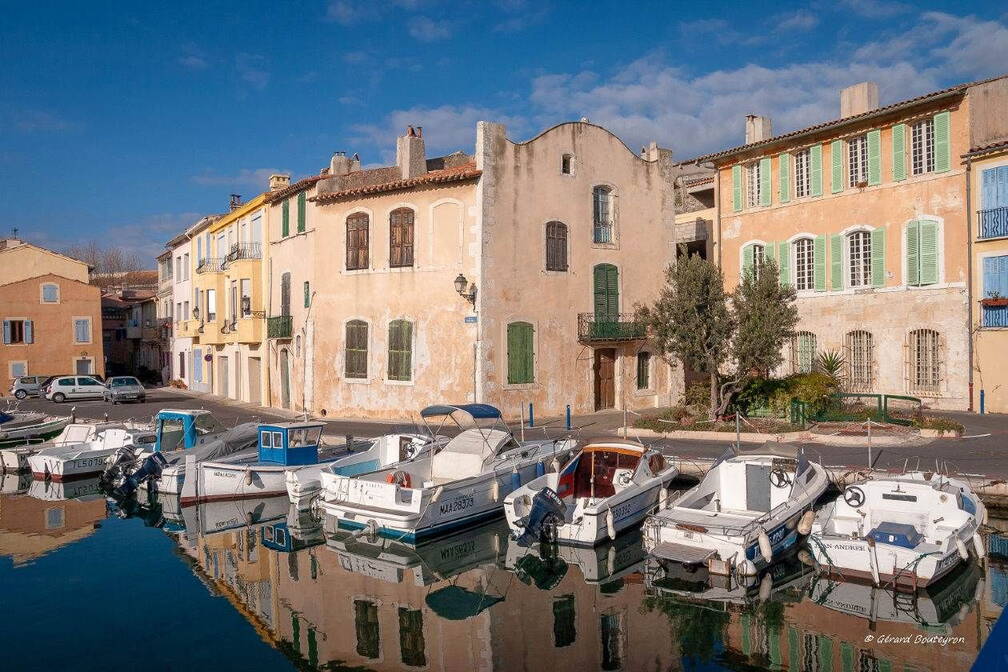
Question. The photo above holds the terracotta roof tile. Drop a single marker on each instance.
(460, 173)
(294, 188)
(984, 149)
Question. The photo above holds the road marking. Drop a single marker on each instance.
(976, 436)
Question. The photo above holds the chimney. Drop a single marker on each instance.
(235, 202)
(757, 129)
(858, 99)
(278, 182)
(339, 164)
(410, 156)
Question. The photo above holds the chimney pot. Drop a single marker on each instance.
(757, 129)
(278, 182)
(858, 99)
(411, 156)
(235, 201)
(339, 164)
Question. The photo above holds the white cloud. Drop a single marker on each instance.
(251, 69)
(145, 237)
(41, 121)
(875, 9)
(425, 29)
(797, 21)
(192, 58)
(257, 178)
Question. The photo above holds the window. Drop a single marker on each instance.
(643, 370)
(752, 257)
(564, 621)
(925, 361)
(803, 350)
(197, 365)
(18, 369)
(860, 360)
(802, 173)
(993, 215)
(178, 269)
(20, 331)
(859, 258)
(54, 518)
(995, 286)
(804, 264)
(181, 365)
(556, 246)
(566, 162)
(603, 215)
(285, 218)
(401, 238)
(613, 634)
(857, 160)
(301, 214)
(82, 329)
(922, 147)
(285, 294)
(366, 625)
(400, 350)
(357, 241)
(520, 353)
(307, 294)
(753, 184)
(922, 252)
(246, 297)
(211, 305)
(50, 293)
(411, 638)
(185, 265)
(356, 349)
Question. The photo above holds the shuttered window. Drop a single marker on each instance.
(753, 256)
(366, 625)
(301, 205)
(802, 173)
(860, 355)
(602, 215)
(356, 349)
(925, 361)
(753, 184)
(400, 350)
(859, 256)
(605, 282)
(643, 370)
(857, 161)
(284, 220)
(307, 294)
(803, 351)
(82, 330)
(285, 294)
(50, 292)
(556, 246)
(22, 331)
(401, 238)
(520, 353)
(922, 252)
(357, 226)
(995, 286)
(564, 621)
(804, 264)
(411, 637)
(922, 149)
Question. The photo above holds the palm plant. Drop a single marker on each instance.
(832, 363)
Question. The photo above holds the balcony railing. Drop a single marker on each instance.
(995, 316)
(602, 232)
(243, 251)
(993, 223)
(279, 327)
(622, 327)
(210, 265)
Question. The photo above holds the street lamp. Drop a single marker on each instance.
(460, 286)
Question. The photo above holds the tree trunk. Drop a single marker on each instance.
(714, 397)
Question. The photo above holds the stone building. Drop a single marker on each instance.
(181, 261)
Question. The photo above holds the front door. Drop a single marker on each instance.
(284, 379)
(605, 378)
(222, 376)
(253, 379)
(83, 367)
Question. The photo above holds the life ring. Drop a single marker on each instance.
(854, 496)
(400, 478)
(780, 478)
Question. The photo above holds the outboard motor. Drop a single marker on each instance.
(150, 468)
(545, 513)
(119, 465)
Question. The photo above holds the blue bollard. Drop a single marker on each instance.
(531, 417)
(515, 480)
(982, 394)
(540, 469)
(568, 417)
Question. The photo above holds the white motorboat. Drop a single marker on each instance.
(29, 426)
(909, 530)
(606, 488)
(15, 458)
(14, 483)
(61, 463)
(749, 510)
(361, 457)
(463, 483)
(209, 518)
(81, 488)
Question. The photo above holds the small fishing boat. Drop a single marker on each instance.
(750, 509)
(20, 427)
(15, 458)
(606, 488)
(79, 460)
(463, 483)
(908, 530)
(360, 457)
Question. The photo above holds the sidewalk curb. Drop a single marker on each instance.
(753, 437)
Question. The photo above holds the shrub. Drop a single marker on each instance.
(696, 399)
(760, 394)
(940, 423)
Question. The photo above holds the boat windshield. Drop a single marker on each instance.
(304, 436)
(207, 424)
(172, 434)
(599, 471)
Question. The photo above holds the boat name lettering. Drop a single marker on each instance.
(90, 462)
(458, 504)
(849, 607)
(844, 546)
(948, 560)
(622, 510)
(458, 550)
(225, 474)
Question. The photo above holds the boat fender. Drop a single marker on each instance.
(248, 477)
(983, 518)
(963, 553)
(495, 490)
(540, 468)
(555, 465)
(764, 546)
(764, 587)
(400, 478)
(978, 545)
(805, 524)
(437, 494)
(806, 558)
(515, 479)
(747, 568)
(663, 498)
(610, 521)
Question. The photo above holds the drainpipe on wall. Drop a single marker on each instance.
(969, 281)
(268, 401)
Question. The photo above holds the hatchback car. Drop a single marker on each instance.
(27, 386)
(75, 387)
(124, 388)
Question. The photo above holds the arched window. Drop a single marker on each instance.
(400, 350)
(520, 353)
(803, 351)
(356, 349)
(603, 214)
(357, 241)
(401, 238)
(804, 264)
(860, 360)
(556, 246)
(925, 361)
(859, 259)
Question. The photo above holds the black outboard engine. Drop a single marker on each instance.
(119, 465)
(545, 513)
(150, 468)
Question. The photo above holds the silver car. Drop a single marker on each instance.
(124, 388)
(26, 386)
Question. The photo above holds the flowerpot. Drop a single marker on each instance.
(993, 303)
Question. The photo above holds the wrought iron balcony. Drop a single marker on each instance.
(279, 327)
(242, 251)
(621, 327)
(210, 265)
(992, 223)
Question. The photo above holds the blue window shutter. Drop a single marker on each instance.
(6, 332)
(990, 279)
(1001, 200)
(29, 336)
(988, 189)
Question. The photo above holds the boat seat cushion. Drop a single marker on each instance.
(464, 455)
(897, 534)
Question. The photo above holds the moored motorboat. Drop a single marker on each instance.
(750, 509)
(19, 427)
(79, 460)
(908, 530)
(15, 457)
(607, 487)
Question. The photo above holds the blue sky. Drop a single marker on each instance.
(124, 122)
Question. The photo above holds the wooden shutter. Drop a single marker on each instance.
(819, 262)
(942, 155)
(899, 152)
(400, 350)
(747, 260)
(301, 212)
(878, 273)
(606, 292)
(836, 261)
(401, 237)
(764, 178)
(29, 332)
(6, 332)
(815, 174)
(520, 353)
(928, 252)
(784, 260)
(356, 349)
(784, 174)
(284, 220)
(874, 157)
(913, 253)
(285, 294)
(736, 178)
(770, 252)
(357, 241)
(307, 294)
(836, 166)
(556, 246)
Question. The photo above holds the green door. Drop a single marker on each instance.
(606, 291)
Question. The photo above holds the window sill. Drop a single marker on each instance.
(400, 383)
(357, 381)
(605, 246)
(645, 393)
(546, 271)
(519, 386)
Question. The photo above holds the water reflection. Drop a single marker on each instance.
(328, 598)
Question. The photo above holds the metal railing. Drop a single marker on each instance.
(279, 327)
(992, 223)
(243, 251)
(210, 265)
(603, 232)
(621, 327)
(994, 316)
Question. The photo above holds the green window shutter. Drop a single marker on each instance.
(307, 294)
(784, 261)
(941, 142)
(846, 657)
(285, 218)
(770, 252)
(747, 260)
(400, 350)
(836, 261)
(764, 179)
(816, 172)
(836, 165)
(878, 258)
(899, 152)
(784, 173)
(301, 213)
(819, 251)
(928, 252)
(825, 653)
(874, 157)
(520, 353)
(913, 253)
(736, 182)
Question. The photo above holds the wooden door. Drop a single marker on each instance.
(253, 380)
(605, 378)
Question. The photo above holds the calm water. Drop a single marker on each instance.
(250, 585)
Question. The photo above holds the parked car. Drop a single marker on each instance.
(47, 382)
(75, 387)
(124, 388)
(27, 386)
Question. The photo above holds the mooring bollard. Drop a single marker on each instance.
(531, 416)
(982, 395)
(568, 417)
